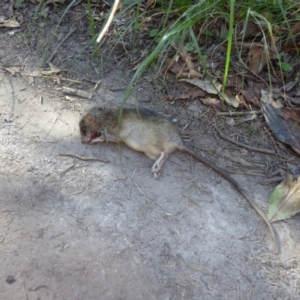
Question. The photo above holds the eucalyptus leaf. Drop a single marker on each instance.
(284, 202)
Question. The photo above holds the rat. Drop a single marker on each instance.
(147, 131)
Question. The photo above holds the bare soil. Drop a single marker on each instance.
(72, 229)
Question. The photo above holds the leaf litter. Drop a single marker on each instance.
(284, 202)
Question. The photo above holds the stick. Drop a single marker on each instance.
(239, 113)
(276, 179)
(83, 158)
(243, 145)
(74, 92)
(112, 14)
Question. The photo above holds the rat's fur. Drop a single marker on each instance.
(146, 131)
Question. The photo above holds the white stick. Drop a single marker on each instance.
(112, 14)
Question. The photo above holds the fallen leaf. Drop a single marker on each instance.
(188, 61)
(171, 65)
(289, 86)
(195, 74)
(253, 91)
(251, 30)
(214, 88)
(13, 70)
(296, 29)
(195, 93)
(286, 131)
(54, 70)
(291, 47)
(185, 56)
(232, 96)
(210, 87)
(288, 113)
(11, 23)
(257, 59)
(292, 41)
(252, 96)
(284, 202)
(217, 104)
(169, 98)
(235, 81)
(150, 3)
(183, 97)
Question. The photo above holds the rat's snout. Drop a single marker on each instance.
(85, 138)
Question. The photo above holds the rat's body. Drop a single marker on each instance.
(146, 131)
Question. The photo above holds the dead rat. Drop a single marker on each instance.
(146, 131)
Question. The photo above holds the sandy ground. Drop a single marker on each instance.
(72, 229)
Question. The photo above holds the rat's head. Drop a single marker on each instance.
(90, 128)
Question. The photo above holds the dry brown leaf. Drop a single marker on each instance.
(195, 74)
(195, 93)
(186, 57)
(169, 98)
(286, 131)
(183, 97)
(191, 94)
(288, 113)
(11, 23)
(235, 81)
(54, 69)
(293, 38)
(150, 3)
(214, 88)
(210, 87)
(251, 30)
(257, 59)
(252, 94)
(188, 60)
(291, 47)
(13, 70)
(173, 66)
(217, 104)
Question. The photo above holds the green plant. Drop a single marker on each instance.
(92, 26)
(183, 23)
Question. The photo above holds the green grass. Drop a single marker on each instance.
(197, 24)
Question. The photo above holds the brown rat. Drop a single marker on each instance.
(146, 131)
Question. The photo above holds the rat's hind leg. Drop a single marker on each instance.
(158, 165)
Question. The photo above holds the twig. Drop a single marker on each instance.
(35, 288)
(245, 173)
(76, 92)
(276, 179)
(60, 43)
(8, 148)
(24, 291)
(77, 217)
(112, 14)
(68, 169)
(239, 113)
(243, 145)
(84, 158)
(272, 180)
(116, 89)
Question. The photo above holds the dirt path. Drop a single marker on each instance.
(71, 229)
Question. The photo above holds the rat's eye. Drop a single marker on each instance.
(83, 130)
